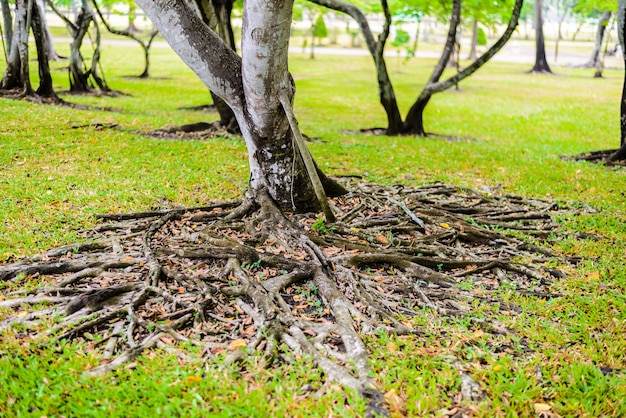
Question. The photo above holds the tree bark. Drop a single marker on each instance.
(414, 122)
(376, 48)
(541, 63)
(11, 78)
(47, 36)
(252, 85)
(217, 15)
(79, 77)
(620, 154)
(7, 27)
(38, 26)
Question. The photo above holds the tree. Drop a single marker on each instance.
(16, 76)
(562, 9)
(132, 34)
(414, 121)
(259, 90)
(231, 239)
(620, 154)
(541, 63)
(82, 77)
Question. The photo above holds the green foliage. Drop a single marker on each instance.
(320, 226)
(481, 38)
(319, 27)
(401, 38)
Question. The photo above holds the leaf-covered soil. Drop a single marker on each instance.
(238, 278)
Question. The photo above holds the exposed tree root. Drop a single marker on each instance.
(193, 131)
(241, 277)
(598, 157)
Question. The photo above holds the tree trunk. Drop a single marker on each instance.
(47, 36)
(253, 85)
(603, 21)
(541, 63)
(79, 81)
(7, 27)
(12, 76)
(473, 55)
(385, 88)
(414, 122)
(46, 88)
(145, 45)
(620, 154)
(80, 76)
(216, 14)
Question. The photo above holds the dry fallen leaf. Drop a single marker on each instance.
(238, 343)
(382, 239)
(542, 407)
(444, 225)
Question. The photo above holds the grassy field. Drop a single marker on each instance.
(57, 169)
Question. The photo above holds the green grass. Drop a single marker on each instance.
(56, 172)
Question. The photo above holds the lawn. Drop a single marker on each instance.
(59, 167)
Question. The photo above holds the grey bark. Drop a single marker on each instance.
(541, 63)
(385, 88)
(7, 27)
(47, 36)
(217, 15)
(620, 154)
(252, 85)
(80, 76)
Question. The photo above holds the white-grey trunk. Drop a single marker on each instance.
(251, 85)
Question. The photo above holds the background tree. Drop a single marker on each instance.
(414, 123)
(145, 44)
(601, 10)
(541, 63)
(83, 78)
(16, 76)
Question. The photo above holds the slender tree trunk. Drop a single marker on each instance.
(22, 33)
(46, 89)
(216, 14)
(376, 48)
(11, 78)
(79, 81)
(620, 154)
(541, 63)
(595, 58)
(80, 76)
(254, 86)
(417, 38)
(47, 36)
(414, 122)
(472, 55)
(7, 26)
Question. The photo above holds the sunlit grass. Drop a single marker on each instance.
(57, 169)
